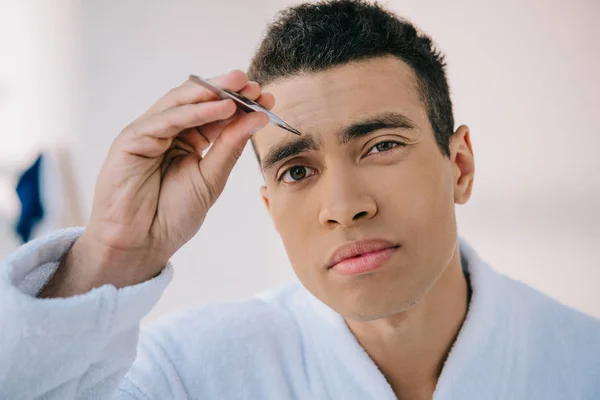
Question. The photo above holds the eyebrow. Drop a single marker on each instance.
(387, 120)
(287, 149)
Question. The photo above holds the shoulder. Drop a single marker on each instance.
(544, 333)
(561, 323)
(252, 327)
(265, 313)
(222, 349)
(555, 342)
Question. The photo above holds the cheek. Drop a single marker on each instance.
(432, 223)
(294, 218)
(420, 198)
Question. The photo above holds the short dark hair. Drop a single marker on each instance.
(314, 37)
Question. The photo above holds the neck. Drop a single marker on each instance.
(410, 348)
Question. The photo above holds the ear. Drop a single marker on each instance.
(461, 156)
(265, 196)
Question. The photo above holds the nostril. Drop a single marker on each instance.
(359, 215)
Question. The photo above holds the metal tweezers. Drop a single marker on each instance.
(244, 103)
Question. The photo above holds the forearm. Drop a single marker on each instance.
(58, 347)
(88, 265)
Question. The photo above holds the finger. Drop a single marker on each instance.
(152, 136)
(195, 139)
(201, 137)
(182, 145)
(170, 157)
(174, 120)
(213, 130)
(190, 92)
(227, 149)
(267, 100)
(251, 91)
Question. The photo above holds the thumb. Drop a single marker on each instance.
(226, 151)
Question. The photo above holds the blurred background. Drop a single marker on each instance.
(524, 77)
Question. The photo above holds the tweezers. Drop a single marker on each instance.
(244, 103)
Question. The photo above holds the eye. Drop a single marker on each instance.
(382, 147)
(296, 173)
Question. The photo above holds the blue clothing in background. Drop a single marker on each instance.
(28, 190)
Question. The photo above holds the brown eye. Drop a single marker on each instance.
(382, 147)
(296, 173)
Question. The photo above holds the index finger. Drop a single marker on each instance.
(190, 92)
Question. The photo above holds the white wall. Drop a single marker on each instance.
(40, 106)
(523, 77)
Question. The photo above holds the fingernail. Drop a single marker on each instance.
(256, 129)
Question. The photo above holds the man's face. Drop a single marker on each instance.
(366, 168)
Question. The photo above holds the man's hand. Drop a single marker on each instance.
(155, 187)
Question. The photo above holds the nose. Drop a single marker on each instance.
(345, 202)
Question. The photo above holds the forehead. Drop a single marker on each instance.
(323, 103)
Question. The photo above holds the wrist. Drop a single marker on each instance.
(89, 264)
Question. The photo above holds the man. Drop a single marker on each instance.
(390, 303)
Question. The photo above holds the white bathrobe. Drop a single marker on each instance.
(285, 344)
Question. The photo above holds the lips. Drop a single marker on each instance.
(361, 256)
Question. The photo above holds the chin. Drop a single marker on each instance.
(379, 308)
(376, 297)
